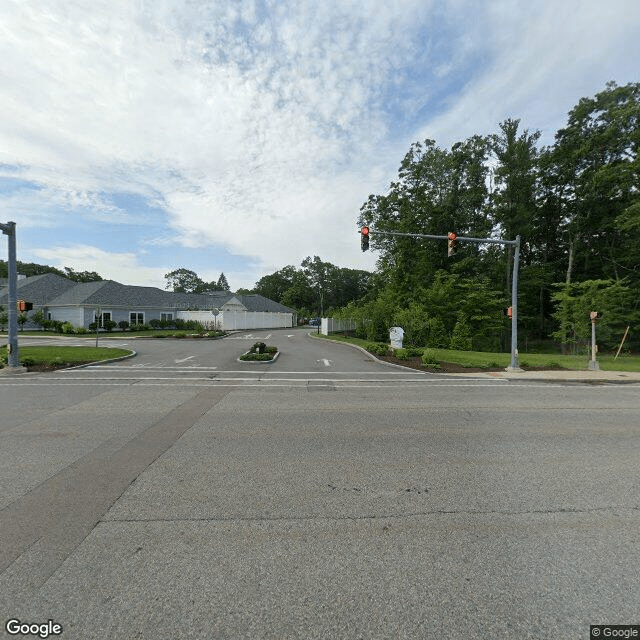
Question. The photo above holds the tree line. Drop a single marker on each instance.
(575, 204)
(316, 288)
(29, 269)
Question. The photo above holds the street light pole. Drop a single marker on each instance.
(514, 308)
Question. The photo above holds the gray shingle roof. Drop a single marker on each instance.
(256, 302)
(39, 289)
(55, 291)
(114, 294)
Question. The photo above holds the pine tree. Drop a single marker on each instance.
(223, 285)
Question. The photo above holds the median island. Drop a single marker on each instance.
(51, 358)
(260, 352)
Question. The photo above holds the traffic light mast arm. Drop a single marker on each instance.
(430, 237)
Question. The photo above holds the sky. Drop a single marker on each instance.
(241, 136)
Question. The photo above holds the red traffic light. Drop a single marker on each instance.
(364, 238)
(452, 243)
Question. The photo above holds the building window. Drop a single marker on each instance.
(105, 316)
(136, 317)
(164, 317)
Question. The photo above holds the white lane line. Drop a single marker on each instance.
(114, 367)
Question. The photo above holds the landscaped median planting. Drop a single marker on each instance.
(260, 352)
(50, 358)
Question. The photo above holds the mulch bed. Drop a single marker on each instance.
(450, 367)
(53, 367)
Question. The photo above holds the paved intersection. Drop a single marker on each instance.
(181, 494)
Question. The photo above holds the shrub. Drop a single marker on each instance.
(256, 356)
(155, 323)
(430, 358)
(438, 338)
(377, 348)
(461, 337)
(402, 354)
(139, 327)
(123, 324)
(27, 361)
(258, 347)
(38, 317)
(93, 326)
(109, 325)
(81, 331)
(66, 328)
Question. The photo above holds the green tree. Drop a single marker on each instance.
(222, 283)
(183, 281)
(300, 294)
(81, 276)
(438, 191)
(274, 285)
(593, 171)
(461, 336)
(617, 300)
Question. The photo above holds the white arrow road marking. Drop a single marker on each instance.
(184, 359)
(291, 336)
(267, 337)
(326, 362)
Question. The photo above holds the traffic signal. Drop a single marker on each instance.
(452, 243)
(595, 315)
(364, 238)
(24, 306)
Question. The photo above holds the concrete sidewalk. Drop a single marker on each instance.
(554, 375)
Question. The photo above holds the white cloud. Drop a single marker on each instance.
(265, 132)
(542, 57)
(122, 267)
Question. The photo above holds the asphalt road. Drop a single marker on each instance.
(183, 494)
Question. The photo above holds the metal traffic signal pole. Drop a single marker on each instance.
(452, 238)
(9, 229)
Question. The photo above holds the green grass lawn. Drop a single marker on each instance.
(489, 360)
(67, 356)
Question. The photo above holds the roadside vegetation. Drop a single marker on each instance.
(434, 358)
(45, 357)
(574, 204)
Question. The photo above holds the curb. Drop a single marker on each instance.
(91, 364)
(370, 355)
